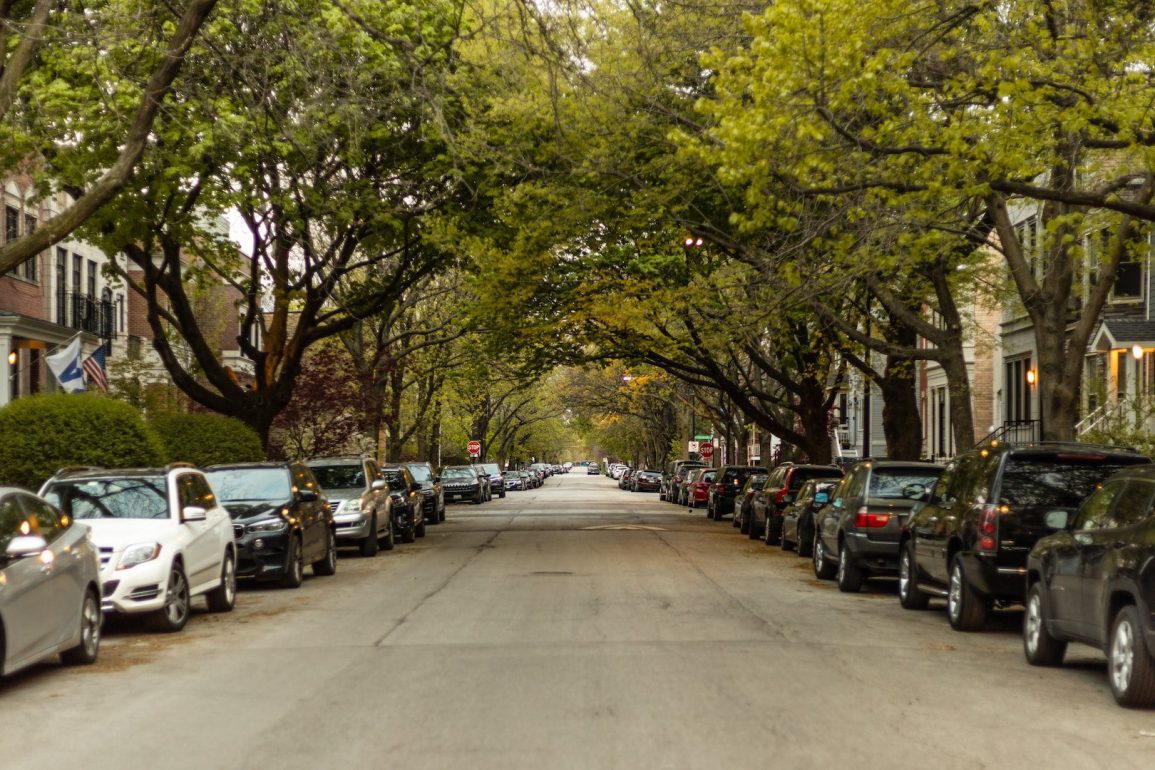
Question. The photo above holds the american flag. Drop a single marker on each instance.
(94, 370)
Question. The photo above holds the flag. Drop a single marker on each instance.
(65, 364)
(94, 370)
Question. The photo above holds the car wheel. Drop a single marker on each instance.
(327, 564)
(173, 616)
(84, 654)
(1039, 646)
(805, 540)
(407, 534)
(370, 545)
(479, 498)
(910, 596)
(294, 565)
(966, 610)
(823, 570)
(224, 597)
(849, 574)
(501, 494)
(419, 531)
(389, 540)
(709, 511)
(1130, 667)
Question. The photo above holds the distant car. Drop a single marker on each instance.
(407, 501)
(281, 519)
(163, 539)
(743, 500)
(778, 492)
(50, 575)
(496, 480)
(675, 475)
(513, 480)
(461, 482)
(798, 516)
(592, 470)
(624, 478)
(698, 490)
(356, 493)
(1093, 581)
(723, 491)
(432, 495)
(647, 481)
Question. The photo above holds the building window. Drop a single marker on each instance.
(91, 280)
(61, 286)
(32, 266)
(11, 224)
(33, 371)
(1017, 390)
(1128, 280)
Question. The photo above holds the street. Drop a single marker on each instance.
(573, 626)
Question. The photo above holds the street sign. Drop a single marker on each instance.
(474, 447)
(706, 449)
(693, 446)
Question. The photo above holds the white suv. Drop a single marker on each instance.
(163, 538)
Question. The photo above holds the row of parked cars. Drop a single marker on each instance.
(1066, 530)
(147, 542)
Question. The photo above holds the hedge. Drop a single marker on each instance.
(205, 439)
(41, 434)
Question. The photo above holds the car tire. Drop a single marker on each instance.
(173, 616)
(849, 574)
(294, 573)
(407, 535)
(965, 608)
(224, 597)
(823, 570)
(84, 653)
(327, 564)
(805, 541)
(419, 531)
(501, 494)
(389, 541)
(910, 596)
(479, 498)
(370, 545)
(1039, 646)
(773, 530)
(1130, 668)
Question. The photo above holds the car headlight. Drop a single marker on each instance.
(352, 505)
(138, 553)
(267, 526)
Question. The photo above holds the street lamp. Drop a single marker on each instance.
(1137, 354)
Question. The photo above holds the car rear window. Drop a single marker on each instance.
(902, 483)
(800, 475)
(1055, 481)
(737, 474)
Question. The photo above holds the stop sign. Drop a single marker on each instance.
(475, 447)
(706, 449)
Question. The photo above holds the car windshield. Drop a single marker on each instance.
(339, 476)
(901, 483)
(124, 498)
(457, 473)
(493, 469)
(1049, 482)
(420, 472)
(234, 485)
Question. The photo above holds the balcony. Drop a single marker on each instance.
(85, 312)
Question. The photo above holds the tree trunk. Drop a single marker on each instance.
(901, 424)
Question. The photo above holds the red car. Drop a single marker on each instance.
(698, 491)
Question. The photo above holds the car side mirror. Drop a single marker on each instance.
(837, 503)
(821, 498)
(23, 546)
(1056, 519)
(308, 496)
(377, 485)
(193, 513)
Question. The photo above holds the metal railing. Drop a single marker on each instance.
(1014, 432)
(85, 313)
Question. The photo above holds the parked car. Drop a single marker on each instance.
(724, 489)
(513, 480)
(1093, 581)
(969, 543)
(496, 480)
(407, 501)
(647, 481)
(624, 478)
(432, 495)
(592, 470)
(50, 575)
(281, 520)
(862, 524)
(698, 490)
(357, 496)
(461, 482)
(162, 535)
(778, 492)
(675, 475)
(798, 516)
(745, 496)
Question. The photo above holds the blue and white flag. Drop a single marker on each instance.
(66, 366)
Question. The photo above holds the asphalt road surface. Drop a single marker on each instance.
(574, 626)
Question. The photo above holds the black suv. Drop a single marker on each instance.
(673, 478)
(406, 502)
(862, 523)
(432, 497)
(281, 520)
(1093, 581)
(969, 543)
(727, 481)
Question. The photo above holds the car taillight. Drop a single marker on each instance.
(989, 528)
(864, 518)
(780, 498)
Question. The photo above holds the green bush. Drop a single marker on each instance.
(205, 439)
(40, 434)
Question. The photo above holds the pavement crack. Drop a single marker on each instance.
(477, 551)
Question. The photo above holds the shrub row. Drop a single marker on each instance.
(40, 434)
